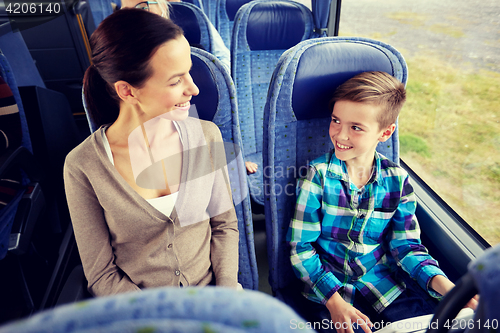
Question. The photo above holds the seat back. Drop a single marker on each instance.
(210, 7)
(263, 30)
(24, 68)
(47, 120)
(225, 13)
(192, 309)
(297, 121)
(194, 23)
(216, 102)
(197, 3)
(63, 58)
(9, 211)
(100, 9)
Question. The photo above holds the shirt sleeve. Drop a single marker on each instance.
(92, 237)
(405, 244)
(305, 229)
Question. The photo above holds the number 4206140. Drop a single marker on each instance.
(470, 324)
(34, 8)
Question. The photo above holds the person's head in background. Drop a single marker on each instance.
(160, 7)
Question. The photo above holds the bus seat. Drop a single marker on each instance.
(209, 7)
(63, 58)
(225, 13)
(197, 3)
(211, 10)
(263, 30)
(100, 9)
(168, 309)
(199, 31)
(14, 48)
(193, 22)
(217, 103)
(298, 121)
(50, 132)
(24, 203)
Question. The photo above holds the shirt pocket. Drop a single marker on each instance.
(377, 225)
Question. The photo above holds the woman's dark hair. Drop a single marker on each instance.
(122, 47)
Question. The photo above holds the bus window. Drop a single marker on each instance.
(450, 125)
(307, 3)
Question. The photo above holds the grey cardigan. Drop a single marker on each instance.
(125, 244)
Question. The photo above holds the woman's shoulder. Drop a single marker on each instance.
(209, 129)
(85, 152)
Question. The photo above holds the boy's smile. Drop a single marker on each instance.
(355, 133)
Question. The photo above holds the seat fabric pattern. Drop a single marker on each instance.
(191, 309)
(263, 30)
(298, 118)
(225, 13)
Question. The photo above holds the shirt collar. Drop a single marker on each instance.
(337, 169)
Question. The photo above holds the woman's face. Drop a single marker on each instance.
(169, 90)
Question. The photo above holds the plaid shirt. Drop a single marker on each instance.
(346, 239)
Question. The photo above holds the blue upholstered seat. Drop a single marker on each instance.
(199, 31)
(194, 23)
(100, 9)
(216, 102)
(209, 7)
(190, 310)
(263, 30)
(225, 13)
(297, 120)
(63, 58)
(8, 213)
(48, 133)
(197, 3)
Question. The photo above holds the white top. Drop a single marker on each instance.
(164, 204)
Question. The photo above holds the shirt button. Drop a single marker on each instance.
(169, 246)
(177, 272)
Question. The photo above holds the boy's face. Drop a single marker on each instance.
(355, 132)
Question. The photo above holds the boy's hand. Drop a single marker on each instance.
(345, 315)
(251, 167)
(442, 285)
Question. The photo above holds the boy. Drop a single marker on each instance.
(354, 222)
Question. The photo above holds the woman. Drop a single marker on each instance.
(143, 213)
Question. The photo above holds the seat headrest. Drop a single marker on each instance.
(275, 26)
(323, 67)
(184, 16)
(232, 7)
(208, 99)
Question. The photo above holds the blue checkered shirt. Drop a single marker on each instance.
(351, 240)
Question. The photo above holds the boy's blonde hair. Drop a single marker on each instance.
(376, 88)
